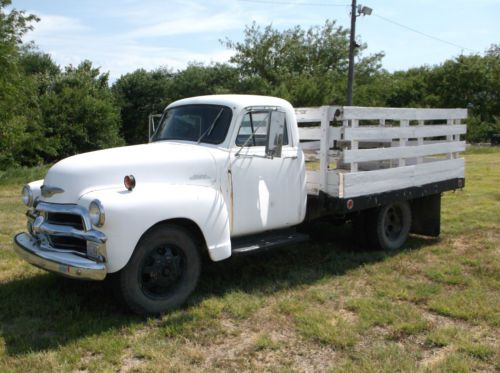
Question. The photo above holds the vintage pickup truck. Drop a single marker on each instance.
(230, 174)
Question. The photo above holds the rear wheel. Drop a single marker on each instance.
(162, 272)
(389, 226)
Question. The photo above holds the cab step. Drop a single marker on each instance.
(250, 244)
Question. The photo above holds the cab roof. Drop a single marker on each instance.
(234, 101)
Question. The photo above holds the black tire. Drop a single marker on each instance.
(389, 226)
(162, 272)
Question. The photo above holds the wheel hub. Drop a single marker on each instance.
(393, 223)
(161, 270)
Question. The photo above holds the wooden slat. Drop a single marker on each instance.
(354, 145)
(310, 145)
(402, 142)
(312, 182)
(335, 133)
(374, 133)
(378, 154)
(420, 139)
(309, 115)
(325, 146)
(311, 155)
(369, 182)
(310, 133)
(314, 133)
(313, 178)
(378, 113)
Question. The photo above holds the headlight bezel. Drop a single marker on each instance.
(96, 213)
(27, 196)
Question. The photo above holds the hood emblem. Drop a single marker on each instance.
(48, 191)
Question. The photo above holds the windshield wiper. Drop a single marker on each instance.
(210, 129)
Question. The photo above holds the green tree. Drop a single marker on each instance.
(307, 67)
(139, 94)
(468, 81)
(198, 79)
(79, 113)
(35, 62)
(15, 95)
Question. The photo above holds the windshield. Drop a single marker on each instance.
(204, 123)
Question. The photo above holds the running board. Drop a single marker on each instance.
(249, 244)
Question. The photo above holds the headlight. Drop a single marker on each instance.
(27, 195)
(96, 213)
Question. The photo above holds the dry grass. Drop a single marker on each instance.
(433, 306)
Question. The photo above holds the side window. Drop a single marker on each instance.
(253, 129)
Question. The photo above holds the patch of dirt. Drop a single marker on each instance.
(130, 363)
(238, 352)
(436, 355)
(460, 245)
(87, 357)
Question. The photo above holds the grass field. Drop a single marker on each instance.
(433, 306)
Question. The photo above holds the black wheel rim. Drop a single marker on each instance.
(161, 271)
(393, 223)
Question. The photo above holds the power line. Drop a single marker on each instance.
(292, 3)
(422, 33)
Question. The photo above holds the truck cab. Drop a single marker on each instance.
(210, 173)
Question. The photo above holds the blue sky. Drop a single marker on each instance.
(121, 36)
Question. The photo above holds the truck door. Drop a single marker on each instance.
(267, 192)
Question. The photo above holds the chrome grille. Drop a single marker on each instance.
(65, 227)
(68, 243)
(70, 220)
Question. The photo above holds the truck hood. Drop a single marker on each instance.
(160, 162)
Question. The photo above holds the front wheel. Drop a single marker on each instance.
(162, 272)
(389, 226)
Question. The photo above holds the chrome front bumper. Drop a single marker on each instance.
(63, 263)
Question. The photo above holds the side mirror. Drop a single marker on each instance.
(275, 133)
(153, 121)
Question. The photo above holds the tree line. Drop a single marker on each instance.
(48, 112)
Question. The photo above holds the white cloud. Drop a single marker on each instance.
(51, 24)
(188, 25)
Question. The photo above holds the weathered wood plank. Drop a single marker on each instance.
(314, 155)
(314, 133)
(382, 113)
(420, 139)
(313, 180)
(378, 154)
(374, 133)
(325, 146)
(309, 114)
(368, 182)
(354, 145)
(310, 145)
(310, 133)
(402, 141)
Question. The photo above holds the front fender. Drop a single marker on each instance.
(131, 213)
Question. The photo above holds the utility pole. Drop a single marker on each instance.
(352, 45)
(355, 12)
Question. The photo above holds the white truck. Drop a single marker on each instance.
(230, 174)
